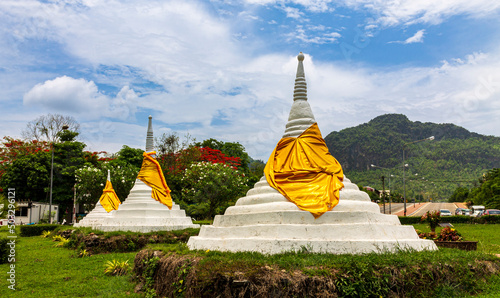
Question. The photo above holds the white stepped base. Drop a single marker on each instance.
(333, 232)
(95, 217)
(141, 213)
(264, 221)
(275, 246)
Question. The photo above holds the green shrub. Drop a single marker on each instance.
(485, 219)
(4, 250)
(488, 219)
(36, 230)
(409, 220)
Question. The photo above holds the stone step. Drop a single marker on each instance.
(275, 246)
(330, 232)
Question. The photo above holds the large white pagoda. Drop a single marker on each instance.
(266, 221)
(140, 212)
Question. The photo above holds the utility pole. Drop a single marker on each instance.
(383, 190)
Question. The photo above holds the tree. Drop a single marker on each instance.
(29, 174)
(210, 188)
(132, 156)
(488, 192)
(48, 126)
(68, 157)
(229, 149)
(167, 144)
(459, 195)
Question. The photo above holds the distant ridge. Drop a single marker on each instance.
(455, 154)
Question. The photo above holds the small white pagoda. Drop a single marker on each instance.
(140, 212)
(99, 213)
(95, 217)
(266, 221)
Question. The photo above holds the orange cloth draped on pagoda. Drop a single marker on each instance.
(152, 175)
(109, 200)
(303, 170)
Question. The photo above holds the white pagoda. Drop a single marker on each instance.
(266, 221)
(140, 212)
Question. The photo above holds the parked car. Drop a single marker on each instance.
(491, 212)
(463, 211)
(445, 212)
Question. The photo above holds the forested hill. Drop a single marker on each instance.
(454, 154)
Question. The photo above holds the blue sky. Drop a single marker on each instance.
(225, 69)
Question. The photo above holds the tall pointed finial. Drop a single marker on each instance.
(149, 137)
(301, 116)
(109, 176)
(300, 91)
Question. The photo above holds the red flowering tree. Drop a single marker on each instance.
(11, 149)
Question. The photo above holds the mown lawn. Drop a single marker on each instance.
(43, 270)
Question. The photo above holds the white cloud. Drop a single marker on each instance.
(310, 36)
(311, 5)
(81, 97)
(192, 69)
(65, 94)
(292, 12)
(418, 37)
(392, 13)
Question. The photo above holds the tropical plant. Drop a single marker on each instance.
(116, 267)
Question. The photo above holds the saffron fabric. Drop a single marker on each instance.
(109, 200)
(303, 170)
(152, 175)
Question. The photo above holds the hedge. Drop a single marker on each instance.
(36, 230)
(485, 219)
(4, 250)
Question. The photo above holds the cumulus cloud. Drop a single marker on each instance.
(67, 94)
(80, 97)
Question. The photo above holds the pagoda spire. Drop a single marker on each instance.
(149, 137)
(300, 90)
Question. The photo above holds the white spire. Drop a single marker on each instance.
(301, 116)
(109, 176)
(300, 91)
(149, 137)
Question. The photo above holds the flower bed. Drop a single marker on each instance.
(463, 245)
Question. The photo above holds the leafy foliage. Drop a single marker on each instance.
(488, 191)
(210, 188)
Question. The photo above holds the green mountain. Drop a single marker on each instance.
(456, 157)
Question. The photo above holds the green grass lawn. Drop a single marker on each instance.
(43, 270)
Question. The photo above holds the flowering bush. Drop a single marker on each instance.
(90, 181)
(446, 234)
(430, 236)
(209, 188)
(449, 234)
(433, 218)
